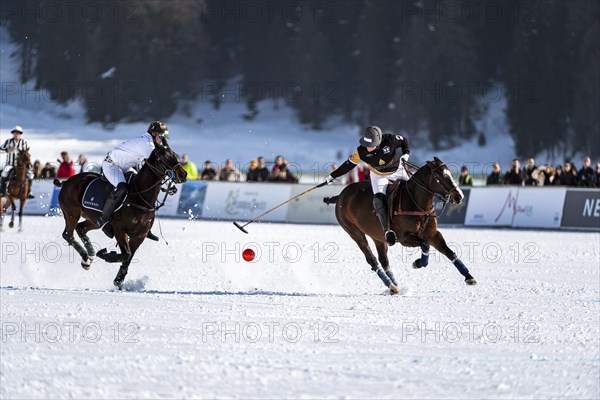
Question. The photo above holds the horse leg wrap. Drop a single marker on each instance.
(111, 257)
(460, 266)
(390, 274)
(382, 275)
(424, 258)
(79, 249)
(88, 246)
(118, 281)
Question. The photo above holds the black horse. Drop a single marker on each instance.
(132, 222)
(413, 218)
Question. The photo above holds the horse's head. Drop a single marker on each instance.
(165, 162)
(443, 183)
(24, 159)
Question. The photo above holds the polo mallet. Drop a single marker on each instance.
(241, 227)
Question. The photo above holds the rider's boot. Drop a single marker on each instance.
(152, 236)
(29, 195)
(380, 204)
(114, 199)
(2, 186)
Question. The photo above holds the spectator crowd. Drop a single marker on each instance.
(533, 175)
(279, 171)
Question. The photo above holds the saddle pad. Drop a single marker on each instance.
(95, 194)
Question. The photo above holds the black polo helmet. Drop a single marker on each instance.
(160, 128)
(371, 136)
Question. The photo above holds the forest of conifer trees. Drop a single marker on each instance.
(412, 66)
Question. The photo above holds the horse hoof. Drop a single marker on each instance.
(86, 264)
(417, 264)
(470, 281)
(394, 289)
(11, 224)
(118, 283)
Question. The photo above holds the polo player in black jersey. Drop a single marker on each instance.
(384, 156)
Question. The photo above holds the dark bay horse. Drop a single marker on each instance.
(18, 187)
(412, 217)
(131, 222)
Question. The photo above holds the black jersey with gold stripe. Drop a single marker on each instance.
(384, 160)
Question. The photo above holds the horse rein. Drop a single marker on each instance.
(445, 199)
(168, 175)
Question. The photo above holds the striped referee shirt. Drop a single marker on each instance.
(11, 158)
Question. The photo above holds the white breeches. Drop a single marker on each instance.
(380, 183)
(113, 173)
(7, 169)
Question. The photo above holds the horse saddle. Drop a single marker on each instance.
(98, 190)
(393, 190)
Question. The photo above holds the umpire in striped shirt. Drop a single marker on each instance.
(11, 147)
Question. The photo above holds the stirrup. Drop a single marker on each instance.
(390, 237)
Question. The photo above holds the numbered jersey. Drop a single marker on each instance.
(385, 160)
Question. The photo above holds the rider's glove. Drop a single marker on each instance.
(329, 179)
(404, 158)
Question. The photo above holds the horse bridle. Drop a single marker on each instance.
(444, 198)
(167, 175)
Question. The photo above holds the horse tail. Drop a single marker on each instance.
(330, 200)
(57, 183)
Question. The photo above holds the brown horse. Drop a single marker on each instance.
(18, 187)
(132, 222)
(413, 218)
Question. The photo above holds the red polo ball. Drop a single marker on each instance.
(248, 255)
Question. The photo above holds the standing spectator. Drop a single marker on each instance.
(84, 165)
(208, 173)
(495, 178)
(559, 176)
(278, 165)
(263, 171)
(465, 179)
(548, 175)
(598, 175)
(189, 167)
(229, 172)
(570, 174)
(283, 174)
(65, 169)
(528, 173)
(48, 171)
(513, 175)
(587, 176)
(37, 169)
(253, 173)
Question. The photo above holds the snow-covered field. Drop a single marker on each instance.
(306, 319)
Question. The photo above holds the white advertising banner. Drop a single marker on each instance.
(492, 206)
(310, 208)
(245, 201)
(539, 207)
(169, 209)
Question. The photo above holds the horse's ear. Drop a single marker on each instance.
(437, 160)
